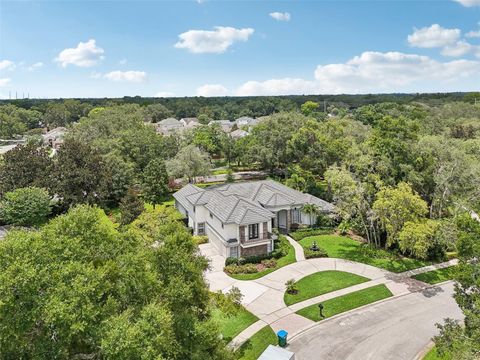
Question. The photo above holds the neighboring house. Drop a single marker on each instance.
(239, 133)
(238, 218)
(167, 126)
(225, 125)
(54, 137)
(187, 121)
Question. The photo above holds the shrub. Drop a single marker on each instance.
(344, 227)
(234, 295)
(25, 207)
(241, 269)
(269, 263)
(300, 234)
(200, 239)
(311, 254)
(231, 261)
(291, 287)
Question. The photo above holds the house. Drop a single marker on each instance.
(225, 125)
(238, 134)
(168, 125)
(54, 137)
(238, 218)
(187, 121)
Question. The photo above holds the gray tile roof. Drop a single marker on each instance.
(169, 121)
(246, 203)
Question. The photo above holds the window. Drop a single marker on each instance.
(253, 231)
(201, 228)
(296, 216)
(234, 252)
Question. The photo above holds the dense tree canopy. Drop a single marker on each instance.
(79, 288)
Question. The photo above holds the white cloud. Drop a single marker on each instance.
(208, 41)
(473, 34)
(35, 66)
(4, 82)
(164, 94)
(86, 54)
(459, 49)
(212, 90)
(286, 86)
(130, 76)
(279, 16)
(433, 36)
(374, 72)
(469, 3)
(7, 65)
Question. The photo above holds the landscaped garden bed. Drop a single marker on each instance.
(303, 233)
(437, 276)
(433, 355)
(346, 302)
(255, 267)
(321, 283)
(345, 248)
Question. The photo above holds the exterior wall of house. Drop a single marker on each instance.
(254, 250)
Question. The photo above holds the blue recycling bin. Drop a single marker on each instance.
(282, 338)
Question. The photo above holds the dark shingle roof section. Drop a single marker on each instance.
(246, 203)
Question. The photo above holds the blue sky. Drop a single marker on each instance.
(209, 48)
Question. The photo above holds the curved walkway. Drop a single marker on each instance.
(299, 253)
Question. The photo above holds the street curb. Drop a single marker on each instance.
(424, 352)
(318, 323)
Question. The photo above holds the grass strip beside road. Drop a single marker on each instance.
(346, 302)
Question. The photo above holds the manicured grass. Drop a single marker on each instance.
(346, 248)
(437, 276)
(432, 355)
(346, 302)
(205, 185)
(219, 171)
(231, 326)
(287, 259)
(321, 283)
(257, 344)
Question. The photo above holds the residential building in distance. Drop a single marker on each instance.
(239, 218)
(168, 126)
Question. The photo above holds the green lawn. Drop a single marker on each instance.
(257, 344)
(287, 259)
(346, 302)
(346, 248)
(321, 283)
(437, 276)
(432, 355)
(231, 326)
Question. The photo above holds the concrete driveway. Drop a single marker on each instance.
(397, 329)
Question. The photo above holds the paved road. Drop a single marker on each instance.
(397, 329)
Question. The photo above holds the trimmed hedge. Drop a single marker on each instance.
(300, 234)
(310, 254)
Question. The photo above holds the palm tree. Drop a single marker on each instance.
(310, 210)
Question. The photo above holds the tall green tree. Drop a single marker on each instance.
(457, 341)
(79, 175)
(396, 206)
(24, 166)
(131, 206)
(155, 182)
(80, 289)
(190, 162)
(25, 207)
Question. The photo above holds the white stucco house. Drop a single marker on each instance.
(239, 218)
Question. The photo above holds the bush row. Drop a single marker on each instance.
(249, 268)
(303, 233)
(310, 254)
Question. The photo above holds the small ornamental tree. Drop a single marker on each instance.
(155, 182)
(25, 207)
(131, 206)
